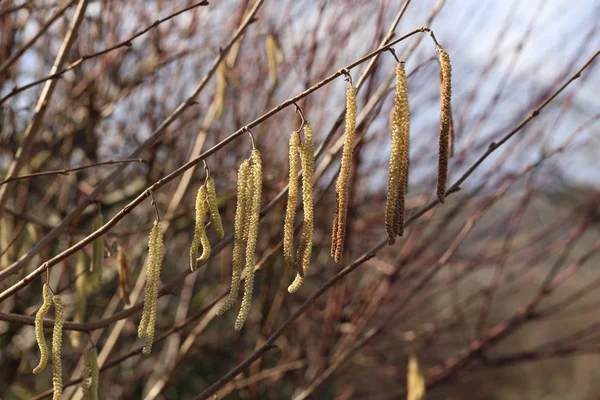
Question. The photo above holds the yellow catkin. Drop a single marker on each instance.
(307, 157)
(98, 246)
(239, 236)
(200, 237)
(445, 124)
(123, 270)
(254, 219)
(213, 207)
(90, 376)
(290, 212)
(39, 328)
(403, 116)
(415, 381)
(341, 188)
(153, 265)
(59, 320)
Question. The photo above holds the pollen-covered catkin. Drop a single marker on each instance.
(290, 212)
(200, 237)
(239, 235)
(153, 265)
(90, 376)
(307, 158)
(341, 187)
(254, 219)
(39, 328)
(213, 206)
(445, 124)
(59, 320)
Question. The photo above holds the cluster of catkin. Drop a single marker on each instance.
(206, 203)
(300, 153)
(59, 320)
(341, 188)
(153, 266)
(247, 217)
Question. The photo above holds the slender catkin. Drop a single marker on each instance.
(200, 237)
(254, 219)
(123, 270)
(59, 320)
(239, 235)
(39, 328)
(213, 207)
(98, 246)
(415, 381)
(90, 376)
(153, 265)
(341, 188)
(307, 157)
(290, 212)
(445, 124)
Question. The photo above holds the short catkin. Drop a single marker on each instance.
(59, 320)
(445, 124)
(39, 328)
(213, 207)
(123, 270)
(239, 236)
(307, 158)
(415, 381)
(90, 376)
(153, 265)
(254, 219)
(200, 237)
(341, 188)
(290, 212)
(98, 246)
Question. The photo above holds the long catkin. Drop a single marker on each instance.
(59, 320)
(290, 211)
(239, 235)
(90, 376)
(213, 207)
(39, 328)
(254, 219)
(200, 237)
(153, 265)
(445, 124)
(307, 158)
(404, 124)
(341, 188)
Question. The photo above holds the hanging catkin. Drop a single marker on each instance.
(200, 237)
(90, 375)
(398, 173)
(59, 320)
(445, 123)
(307, 158)
(253, 220)
(341, 187)
(290, 212)
(39, 328)
(213, 207)
(415, 384)
(123, 271)
(240, 235)
(97, 246)
(153, 265)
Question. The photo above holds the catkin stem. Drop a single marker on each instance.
(59, 320)
(39, 328)
(445, 124)
(254, 219)
(290, 212)
(341, 188)
(240, 235)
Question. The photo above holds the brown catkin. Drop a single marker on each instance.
(307, 157)
(404, 123)
(59, 320)
(213, 207)
(239, 235)
(123, 270)
(200, 237)
(98, 246)
(90, 376)
(445, 124)
(341, 187)
(153, 265)
(290, 211)
(39, 328)
(254, 219)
